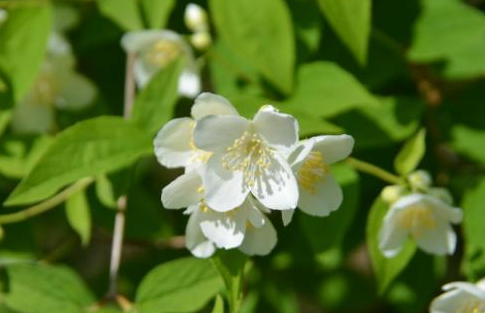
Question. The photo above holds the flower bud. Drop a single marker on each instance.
(201, 40)
(420, 180)
(195, 18)
(391, 194)
(441, 193)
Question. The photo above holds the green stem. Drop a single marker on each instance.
(46, 205)
(375, 171)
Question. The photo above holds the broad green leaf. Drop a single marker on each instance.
(155, 104)
(88, 148)
(326, 232)
(218, 305)
(46, 289)
(105, 192)
(79, 215)
(125, 13)
(469, 142)
(261, 32)
(351, 20)
(411, 154)
(183, 285)
(325, 89)
(157, 12)
(474, 215)
(4, 120)
(385, 269)
(23, 41)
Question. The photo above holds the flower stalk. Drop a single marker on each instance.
(375, 171)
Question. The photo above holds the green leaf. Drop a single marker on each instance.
(183, 285)
(157, 12)
(474, 215)
(89, 148)
(46, 289)
(261, 32)
(218, 305)
(108, 309)
(407, 160)
(79, 215)
(5, 117)
(351, 20)
(125, 13)
(326, 232)
(469, 142)
(385, 269)
(105, 192)
(155, 104)
(23, 41)
(325, 89)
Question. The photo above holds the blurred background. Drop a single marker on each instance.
(378, 70)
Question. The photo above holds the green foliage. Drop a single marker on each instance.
(105, 192)
(89, 148)
(183, 285)
(385, 269)
(79, 215)
(46, 289)
(261, 33)
(157, 12)
(469, 141)
(351, 20)
(218, 305)
(124, 13)
(411, 154)
(5, 117)
(23, 41)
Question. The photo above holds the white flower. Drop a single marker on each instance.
(155, 50)
(460, 297)
(3, 15)
(248, 157)
(174, 143)
(57, 85)
(423, 217)
(195, 18)
(244, 227)
(319, 193)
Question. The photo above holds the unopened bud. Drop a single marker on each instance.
(420, 180)
(201, 40)
(195, 18)
(391, 194)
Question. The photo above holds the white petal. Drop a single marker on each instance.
(259, 241)
(189, 83)
(195, 18)
(454, 301)
(279, 130)
(481, 284)
(255, 216)
(391, 236)
(467, 287)
(136, 41)
(182, 192)
(445, 211)
(287, 216)
(226, 229)
(195, 240)
(327, 198)
(217, 133)
(172, 143)
(299, 153)
(210, 104)
(334, 148)
(224, 190)
(440, 240)
(30, 117)
(77, 92)
(276, 188)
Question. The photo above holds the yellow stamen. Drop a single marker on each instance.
(417, 218)
(164, 52)
(45, 89)
(471, 307)
(312, 171)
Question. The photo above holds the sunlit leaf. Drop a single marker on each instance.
(411, 153)
(79, 215)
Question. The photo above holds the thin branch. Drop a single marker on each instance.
(130, 87)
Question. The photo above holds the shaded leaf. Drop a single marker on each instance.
(79, 215)
(125, 13)
(411, 154)
(157, 12)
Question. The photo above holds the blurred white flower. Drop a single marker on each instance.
(423, 217)
(195, 18)
(57, 85)
(319, 193)
(174, 143)
(3, 15)
(248, 157)
(155, 50)
(460, 297)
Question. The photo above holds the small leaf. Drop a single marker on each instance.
(125, 13)
(79, 215)
(105, 192)
(474, 215)
(157, 12)
(407, 160)
(183, 285)
(89, 148)
(261, 32)
(385, 269)
(23, 41)
(155, 104)
(470, 142)
(351, 20)
(218, 305)
(46, 289)
(5, 117)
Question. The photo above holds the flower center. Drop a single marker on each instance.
(249, 154)
(417, 218)
(312, 171)
(471, 307)
(164, 52)
(44, 90)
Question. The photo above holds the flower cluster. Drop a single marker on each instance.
(460, 297)
(237, 171)
(422, 212)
